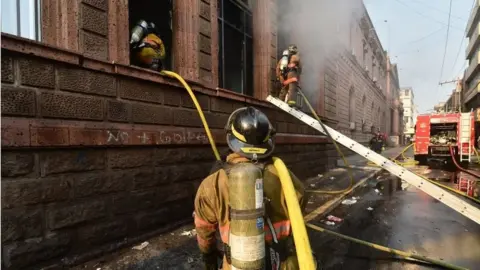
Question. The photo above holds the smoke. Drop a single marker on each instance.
(320, 29)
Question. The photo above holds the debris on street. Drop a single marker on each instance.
(189, 233)
(370, 209)
(334, 218)
(141, 246)
(377, 191)
(330, 223)
(349, 201)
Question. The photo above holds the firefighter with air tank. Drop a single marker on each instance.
(242, 201)
(288, 74)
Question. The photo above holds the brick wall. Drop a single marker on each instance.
(95, 158)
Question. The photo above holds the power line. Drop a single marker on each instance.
(461, 43)
(426, 36)
(428, 17)
(446, 41)
(437, 9)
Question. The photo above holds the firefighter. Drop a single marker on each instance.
(250, 138)
(146, 46)
(377, 143)
(288, 74)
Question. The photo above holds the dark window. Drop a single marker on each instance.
(236, 46)
(158, 12)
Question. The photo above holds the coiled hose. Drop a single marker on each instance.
(300, 236)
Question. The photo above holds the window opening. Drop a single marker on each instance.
(235, 46)
(159, 13)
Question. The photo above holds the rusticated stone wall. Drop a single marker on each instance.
(95, 156)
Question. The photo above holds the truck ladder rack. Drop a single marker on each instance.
(436, 192)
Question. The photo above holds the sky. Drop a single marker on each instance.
(415, 34)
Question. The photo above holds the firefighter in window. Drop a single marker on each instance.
(288, 74)
(147, 49)
(239, 180)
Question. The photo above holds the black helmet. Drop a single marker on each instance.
(293, 49)
(249, 133)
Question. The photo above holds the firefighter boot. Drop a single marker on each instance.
(292, 96)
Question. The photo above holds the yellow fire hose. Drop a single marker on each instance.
(397, 252)
(197, 106)
(339, 151)
(411, 161)
(300, 236)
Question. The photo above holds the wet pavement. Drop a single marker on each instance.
(394, 214)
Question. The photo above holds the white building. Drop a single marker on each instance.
(409, 111)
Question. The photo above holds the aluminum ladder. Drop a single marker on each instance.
(465, 137)
(436, 192)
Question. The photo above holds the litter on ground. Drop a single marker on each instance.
(141, 246)
(377, 191)
(370, 209)
(330, 223)
(349, 202)
(189, 233)
(334, 218)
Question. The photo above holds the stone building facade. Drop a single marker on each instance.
(98, 154)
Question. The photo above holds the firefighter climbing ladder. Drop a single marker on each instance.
(465, 137)
(438, 193)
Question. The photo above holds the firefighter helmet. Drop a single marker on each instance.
(293, 49)
(250, 133)
(147, 47)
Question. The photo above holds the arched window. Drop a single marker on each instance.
(351, 105)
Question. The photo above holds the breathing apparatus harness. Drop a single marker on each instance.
(249, 134)
(285, 66)
(147, 47)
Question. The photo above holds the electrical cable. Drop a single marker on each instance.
(446, 42)
(461, 43)
(437, 9)
(425, 16)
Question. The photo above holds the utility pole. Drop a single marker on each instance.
(457, 95)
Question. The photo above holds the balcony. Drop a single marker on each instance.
(473, 67)
(474, 15)
(474, 40)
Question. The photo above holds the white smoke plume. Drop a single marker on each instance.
(320, 28)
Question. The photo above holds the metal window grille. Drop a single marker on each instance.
(22, 18)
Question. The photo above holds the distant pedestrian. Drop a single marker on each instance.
(377, 143)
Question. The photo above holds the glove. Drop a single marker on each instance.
(210, 261)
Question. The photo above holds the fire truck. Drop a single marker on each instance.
(436, 133)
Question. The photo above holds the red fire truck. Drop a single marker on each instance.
(436, 133)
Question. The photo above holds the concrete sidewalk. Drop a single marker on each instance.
(359, 161)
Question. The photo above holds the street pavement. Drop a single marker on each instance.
(387, 212)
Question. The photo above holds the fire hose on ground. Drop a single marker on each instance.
(300, 236)
(452, 154)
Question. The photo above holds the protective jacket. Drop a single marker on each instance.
(289, 79)
(212, 210)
